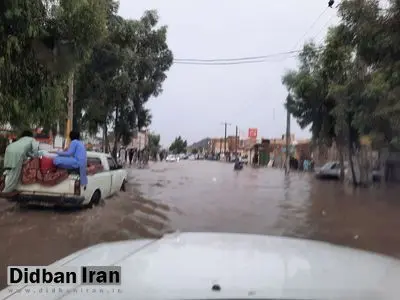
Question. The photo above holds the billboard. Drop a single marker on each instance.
(252, 133)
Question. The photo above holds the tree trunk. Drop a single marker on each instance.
(353, 174)
(351, 149)
(341, 161)
(340, 148)
(115, 146)
(76, 124)
(116, 134)
(105, 138)
(366, 165)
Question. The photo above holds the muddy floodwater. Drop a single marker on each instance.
(206, 196)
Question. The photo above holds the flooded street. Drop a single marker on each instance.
(206, 196)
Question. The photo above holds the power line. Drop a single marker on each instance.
(225, 63)
(218, 63)
(311, 27)
(319, 32)
(236, 59)
(299, 51)
(248, 59)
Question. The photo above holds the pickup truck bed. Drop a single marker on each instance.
(68, 192)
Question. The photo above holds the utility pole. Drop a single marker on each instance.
(226, 128)
(70, 106)
(288, 101)
(236, 141)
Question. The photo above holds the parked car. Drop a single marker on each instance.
(69, 192)
(331, 170)
(225, 266)
(172, 158)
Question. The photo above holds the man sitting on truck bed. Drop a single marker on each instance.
(74, 157)
(14, 158)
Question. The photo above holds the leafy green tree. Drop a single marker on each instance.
(178, 145)
(41, 42)
(124, 72)
(349, 87)
(154, 145)
(374, 34)
(308, 101)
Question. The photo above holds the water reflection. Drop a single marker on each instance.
(361, 218)
(266, 201)
(39, 236)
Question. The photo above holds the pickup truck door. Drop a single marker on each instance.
(105, 176)
(114, 174)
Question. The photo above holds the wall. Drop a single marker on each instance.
(140, 141)
(303, 150)
(217, 145)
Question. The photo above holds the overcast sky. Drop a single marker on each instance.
(197, 98)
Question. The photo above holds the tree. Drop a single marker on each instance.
(124, 72)
(374, 35)
(41, 42)
(308, 90)
(350, 86)
(154, 145)
(178, 145)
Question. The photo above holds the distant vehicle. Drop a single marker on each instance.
(227, 266)
(183, 156)
(172, 158)
(331, 170)
(111, 179)
(245, 159)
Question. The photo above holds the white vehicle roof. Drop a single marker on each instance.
(97, 154)
(189, 265)
(88, 153)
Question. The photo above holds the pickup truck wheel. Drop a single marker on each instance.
(123, 186)
(95, 200)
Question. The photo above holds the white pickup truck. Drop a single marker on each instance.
(111, 179)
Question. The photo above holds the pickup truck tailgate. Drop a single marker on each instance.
(63, 188)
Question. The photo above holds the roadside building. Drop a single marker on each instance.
(139, 141)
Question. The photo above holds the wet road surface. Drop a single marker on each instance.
(206, 196)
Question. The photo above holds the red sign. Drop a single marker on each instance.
(253, 133)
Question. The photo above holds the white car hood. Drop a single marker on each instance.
(187, 265)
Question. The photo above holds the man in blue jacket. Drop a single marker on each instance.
(74, 157)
